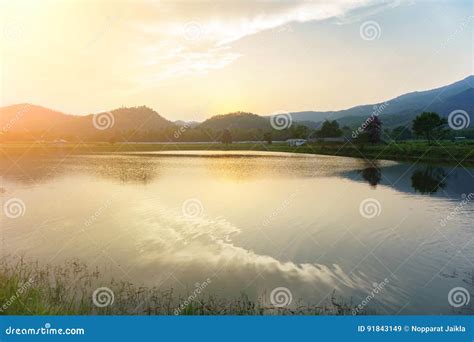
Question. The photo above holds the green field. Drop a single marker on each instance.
(440, 152)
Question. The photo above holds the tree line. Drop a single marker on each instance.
(427, 125)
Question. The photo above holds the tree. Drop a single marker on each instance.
(346, 131)
(401, 133)
(374, 130)
(429, 125)
(299, 132)
(329, 129)
(226, 137)
(267, 136)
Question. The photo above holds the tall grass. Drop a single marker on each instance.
(26, 288)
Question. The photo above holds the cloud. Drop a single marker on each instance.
(197, 38)
(171, 241)
(170, 60)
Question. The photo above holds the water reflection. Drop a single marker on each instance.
(31, 170)
(126, 212)
(143, 169)
(372, 175)
(34, 170)
(443, 181)
(429, 180)
(124, 170)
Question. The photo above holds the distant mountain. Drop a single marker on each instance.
(443, 100)
(190, 124)
(239, 120)
(38, 122)
(463, 100)
(29, 117)
(389, 121)
(135, 118)
(245, 121)
(28, 122)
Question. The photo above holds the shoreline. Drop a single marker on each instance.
(448, 153)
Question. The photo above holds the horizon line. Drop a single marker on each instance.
(237, 111)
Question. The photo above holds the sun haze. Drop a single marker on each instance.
(190, 60)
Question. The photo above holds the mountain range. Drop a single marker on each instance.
(401, 110)
(32, 121)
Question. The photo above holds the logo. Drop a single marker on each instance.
(370, 30)
(103, 121)
(14, 208)
(458, 119)
(281, 120)
(370, 208)
(280, 297)
(192, 208)
(102, 297)
(458, 296)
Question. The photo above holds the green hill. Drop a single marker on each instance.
(238, 120)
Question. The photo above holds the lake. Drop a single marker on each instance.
(252, 222)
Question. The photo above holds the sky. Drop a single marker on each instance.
(191, 59)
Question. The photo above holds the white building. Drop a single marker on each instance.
(296, 142)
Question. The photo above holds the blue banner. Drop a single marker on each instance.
(232, 328)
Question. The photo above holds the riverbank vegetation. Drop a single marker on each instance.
(369, 141)
(444, 151)
(27, 288)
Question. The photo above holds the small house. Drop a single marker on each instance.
(296, 142)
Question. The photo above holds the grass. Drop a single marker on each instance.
(445, 152)
(26, 288)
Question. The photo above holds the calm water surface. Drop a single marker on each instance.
(252, 222)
